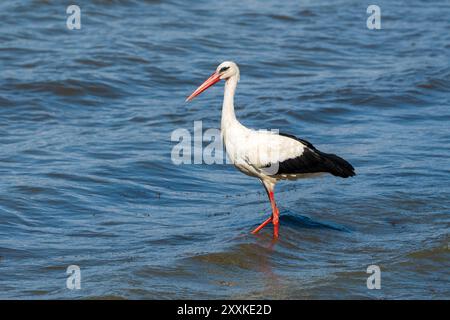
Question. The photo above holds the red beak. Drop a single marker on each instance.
(215, 77)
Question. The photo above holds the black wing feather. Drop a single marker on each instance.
(315, 161)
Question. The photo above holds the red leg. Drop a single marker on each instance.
(276, 223)
(274, 218)
(262, 225)
(275, 215)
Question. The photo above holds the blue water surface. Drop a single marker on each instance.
(86, 118)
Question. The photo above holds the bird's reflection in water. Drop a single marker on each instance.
(249, 262)
(273, 251)
(272, 280)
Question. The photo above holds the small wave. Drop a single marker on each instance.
(435, 84)
(5, 102)
(94, 63)
(437, 253)
(69, 87)
(284, 18)
(307, 13)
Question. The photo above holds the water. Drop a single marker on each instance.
(87, 179)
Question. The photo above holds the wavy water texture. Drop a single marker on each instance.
(86, 118)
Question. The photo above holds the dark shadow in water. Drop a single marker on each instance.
(298, 221)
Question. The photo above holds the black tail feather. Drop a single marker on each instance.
(313, 160)
(336, 165)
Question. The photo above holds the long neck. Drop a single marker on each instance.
(228, 115)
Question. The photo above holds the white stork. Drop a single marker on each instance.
(267, 155)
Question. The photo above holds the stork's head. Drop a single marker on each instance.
(225, 71)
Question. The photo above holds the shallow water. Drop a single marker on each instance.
(87, 178)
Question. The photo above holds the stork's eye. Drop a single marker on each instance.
(224, 69)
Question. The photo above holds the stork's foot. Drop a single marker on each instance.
(275, 220)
